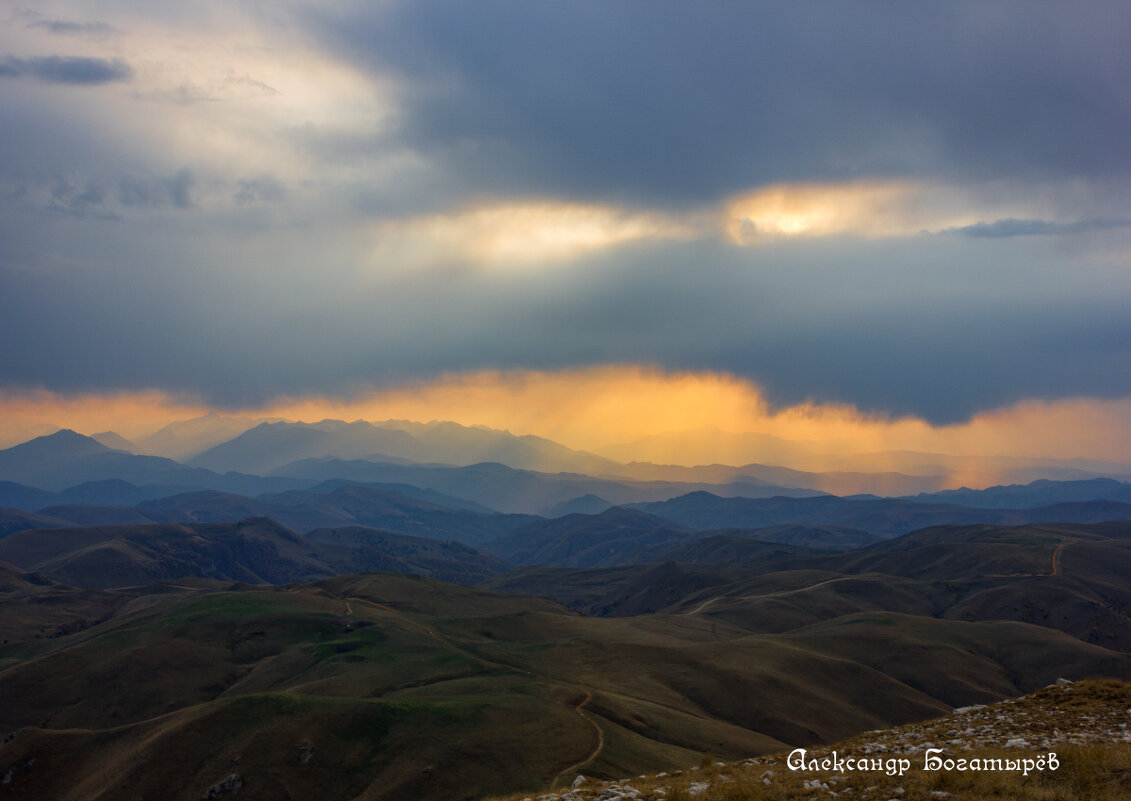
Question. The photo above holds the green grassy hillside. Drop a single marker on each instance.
(1084, 725)
(389, 687)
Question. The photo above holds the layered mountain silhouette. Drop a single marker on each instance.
(272, 446)
(346, 626)
(65, 459)
(1041, 492)
(344, 505)
(883, 516)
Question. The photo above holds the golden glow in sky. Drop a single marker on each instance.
(510, 235)
(866, 209)
(505, 235)
(638, 413)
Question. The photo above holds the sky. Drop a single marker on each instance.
(907, 224)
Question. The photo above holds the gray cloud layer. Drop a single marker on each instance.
(665, 102)
(1015, 227)
(889, 327)
(236, 258)
(67, 69)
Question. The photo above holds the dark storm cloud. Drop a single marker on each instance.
(277, 279)
(663, 103)
(825, 325)
(1014, 227)
(67, 70)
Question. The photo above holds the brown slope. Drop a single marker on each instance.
(97, 515)
(35, 607)
(254, 550)
(382, 677)
(956, 573)
(616, 536)
(13, 520)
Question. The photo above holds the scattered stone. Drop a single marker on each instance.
(16, 768)
(232, 784)
(1043, 720)
(580, 780)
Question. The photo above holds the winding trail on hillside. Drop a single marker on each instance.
(806, 588)
(579, 708)
(782, 593)
(702, 606)
(600, 740)
(779, 594)
(1054, 571)
(1055, 559)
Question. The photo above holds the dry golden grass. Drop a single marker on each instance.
(1085, 724)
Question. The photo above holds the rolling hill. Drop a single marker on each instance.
(257, 551)
(1067, 577)
(1083, 723)
(616, 536)
(13, 520)
(445, 561)
(337, 504)
(391, 687)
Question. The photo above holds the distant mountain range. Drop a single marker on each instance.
(886, 517)
(504, 488)
(489, 504)
(844, 473)
(328, 506)
(1041, 492)
(65, 460)
(184, 439)
(272, 446)
(494, 468)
